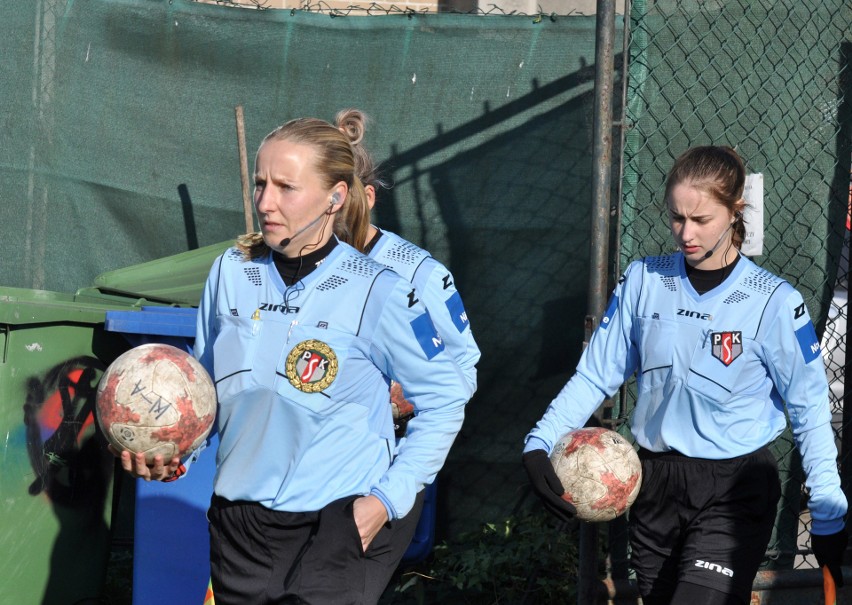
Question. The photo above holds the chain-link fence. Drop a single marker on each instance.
(341, 8)
(772, 80)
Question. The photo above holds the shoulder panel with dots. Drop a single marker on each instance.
(404, 253)
(761, 281)
(666, 268)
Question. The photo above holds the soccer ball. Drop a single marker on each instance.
(599, 470)
(400, 406)
(156, 399)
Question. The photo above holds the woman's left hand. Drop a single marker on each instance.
(370, 515)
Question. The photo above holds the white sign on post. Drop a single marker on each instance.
(753, 215)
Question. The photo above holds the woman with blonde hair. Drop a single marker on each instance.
(299, 332)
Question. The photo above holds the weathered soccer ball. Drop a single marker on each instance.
(400, 406)
(600, 472)
(156, 399)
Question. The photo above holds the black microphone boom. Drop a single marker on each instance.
(286, 241)
(719, 241)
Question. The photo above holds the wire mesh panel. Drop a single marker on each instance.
(770, 79)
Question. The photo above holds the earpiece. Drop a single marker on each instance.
(335, 199)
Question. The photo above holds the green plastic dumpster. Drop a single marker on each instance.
(55, 471)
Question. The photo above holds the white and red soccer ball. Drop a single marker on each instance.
(156, 399)
(600, 472)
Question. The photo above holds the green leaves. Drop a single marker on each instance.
(521, 559)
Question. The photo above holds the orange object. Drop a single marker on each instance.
(828, 587)
(208, 598)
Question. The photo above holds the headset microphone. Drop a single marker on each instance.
(713, 249)
(335, 199)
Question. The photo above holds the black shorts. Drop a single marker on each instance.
(706, 522)
(259, 555)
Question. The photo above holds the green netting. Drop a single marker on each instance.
(111, 106)
(121, 148)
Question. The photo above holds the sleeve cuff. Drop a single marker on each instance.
(826, 528)
(534, 443)
(388, 506)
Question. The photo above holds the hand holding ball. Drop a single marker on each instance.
(600, 471)
(158, 400)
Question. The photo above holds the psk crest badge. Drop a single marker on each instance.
(311, 366)
(727, 346)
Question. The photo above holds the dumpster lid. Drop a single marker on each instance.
(177, 279)
(22, 306)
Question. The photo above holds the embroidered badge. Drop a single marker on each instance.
(455, 306)
(610, 311)
(727, 346)
(424, 331)
(311, 366)
(808, 342)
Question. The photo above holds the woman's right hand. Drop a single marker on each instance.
(135, 464)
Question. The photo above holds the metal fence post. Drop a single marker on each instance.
(601, 174)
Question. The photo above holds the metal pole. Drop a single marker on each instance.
(618, 531)
(602, 156)
(588, 583)
(244, 178)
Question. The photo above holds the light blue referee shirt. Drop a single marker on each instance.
(300, 376)
(715, 372)
(435, 286)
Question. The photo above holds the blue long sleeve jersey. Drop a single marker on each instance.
(435, 286)
(303, 403)
(713, 372)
